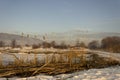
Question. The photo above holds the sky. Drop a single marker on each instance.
(42, 16)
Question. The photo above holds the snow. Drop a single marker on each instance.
(110, 73)
(115, 56)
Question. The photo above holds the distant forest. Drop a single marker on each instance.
(111, 44)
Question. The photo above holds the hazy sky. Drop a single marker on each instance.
(41, 16)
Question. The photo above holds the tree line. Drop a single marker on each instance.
(108, 43)
(111, 44)
(13, 44)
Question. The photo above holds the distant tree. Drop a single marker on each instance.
(93, 44)
(27, 45)
(44, 38)
(46, 44)
(22, 34)
(35, 46)
(2, 44)
(18, 46)
(53, 43)
(63, 45)
(13, 43)
(77, 43)
(35, 36)
(39, 45)
(82, 44)
(28, 35)
(111, 44)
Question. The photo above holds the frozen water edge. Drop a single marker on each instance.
(111, 73)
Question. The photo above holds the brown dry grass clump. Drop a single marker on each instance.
(64, 63)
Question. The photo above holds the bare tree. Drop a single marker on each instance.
(13, 43)
(27, 45)
(35, 46)
(63, 45)
(28, 35)
(2, 44)
(82, 44)
(53, 43)
(22, 34)
(93, 45)
(77, 43)
(46, 44)
(35, 36)
(111, 44)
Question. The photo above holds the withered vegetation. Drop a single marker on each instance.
(58, 63)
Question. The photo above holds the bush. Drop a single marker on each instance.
(46, 44)
(13, 43)
(93, 45)
(35, 46)
(27, 45)
(111, 44)
(2, 44)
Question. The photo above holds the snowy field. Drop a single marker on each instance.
(111, 73)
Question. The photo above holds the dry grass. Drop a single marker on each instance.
(55, 64)
(1, 64)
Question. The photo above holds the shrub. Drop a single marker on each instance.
(13, 43)
(93, 45)
(35, 46)
(2, 44)
(111, 44)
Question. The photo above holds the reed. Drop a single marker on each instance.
(56, 64)
(1, 63)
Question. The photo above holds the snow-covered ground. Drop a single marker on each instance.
(115, 56)
(111, 73)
